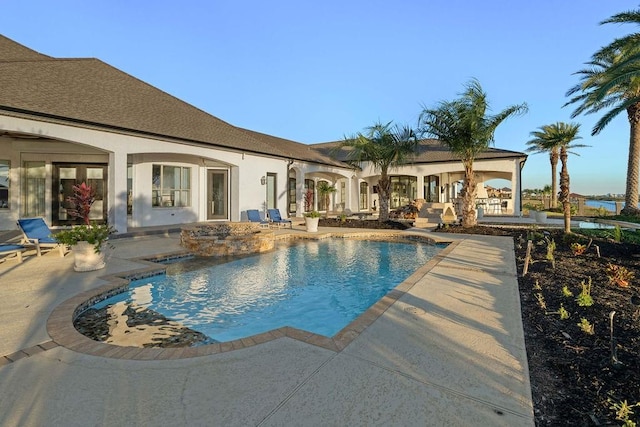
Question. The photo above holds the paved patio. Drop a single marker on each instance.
(448, 351)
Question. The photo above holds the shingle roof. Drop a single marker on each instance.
(295, 149)
(429, 151)
(91, 92)
(12, 51)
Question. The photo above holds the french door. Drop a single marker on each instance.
(217, 194)
(65, 176)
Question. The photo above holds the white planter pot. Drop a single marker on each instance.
(541, 217)
(86, 258)
(533, 214)
(311, 224)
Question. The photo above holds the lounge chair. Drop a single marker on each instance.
(276, 219)
(254, 216)
(8, 249)
(36, 232)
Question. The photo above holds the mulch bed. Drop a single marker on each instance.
(578, 378)
(369, 223)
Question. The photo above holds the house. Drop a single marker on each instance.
(156, 160)
(435, 175)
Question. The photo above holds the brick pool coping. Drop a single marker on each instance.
(63, 333)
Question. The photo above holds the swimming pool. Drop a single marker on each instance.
(319, 286)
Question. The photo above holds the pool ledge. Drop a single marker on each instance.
(60, 323)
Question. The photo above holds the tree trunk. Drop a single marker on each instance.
(326, 204)
(631, 192)
(553, 158)
(384, 190)
(564, 190)
(469, 197)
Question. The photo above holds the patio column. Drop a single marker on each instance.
(516, 186)
(299, 192)
(118, 191)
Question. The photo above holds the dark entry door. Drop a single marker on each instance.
(65, 176)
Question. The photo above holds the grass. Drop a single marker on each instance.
(626, 218)
(624, 236)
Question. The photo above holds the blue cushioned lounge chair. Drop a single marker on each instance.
(36, 232)
(276, 218)
(8, 249)
(254, 216)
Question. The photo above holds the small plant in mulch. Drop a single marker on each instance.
(578, 248)
(619, 275)
(566, 291)
(564, 314)
(623, 411)
(586, 326)
(551, 248)
(584, 299)
(541, 302)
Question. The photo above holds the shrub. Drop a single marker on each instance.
(619, 275)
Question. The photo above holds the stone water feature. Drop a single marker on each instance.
(226, 238)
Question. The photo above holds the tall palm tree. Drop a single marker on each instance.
(612, 81)
(560, 136)
(464, 126)
(385, 147)
(539, 144)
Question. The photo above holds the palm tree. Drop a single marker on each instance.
(464, 126)
(325, 190)
(612, 81)
(559, 136)
(539, 145)
(385, 147)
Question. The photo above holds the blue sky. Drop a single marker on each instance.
(317, 71)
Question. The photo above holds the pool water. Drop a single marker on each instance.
(595, 225)
(319, 286)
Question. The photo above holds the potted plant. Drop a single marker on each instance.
(311, 221)
(86, 240)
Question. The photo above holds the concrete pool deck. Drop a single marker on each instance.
(449, 351)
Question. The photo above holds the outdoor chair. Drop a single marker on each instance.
(276, 219)
(254, 216)
(9, 249)
(36, 232)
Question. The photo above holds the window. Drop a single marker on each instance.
(292, 194)
(129, 189)
(272, 196)
(364, 196)
(4, 184)
(171, 186)
(34, 189)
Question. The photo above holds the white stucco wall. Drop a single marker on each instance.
(63, 143)
(72, 144)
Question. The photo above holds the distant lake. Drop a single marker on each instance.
(609, 205)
